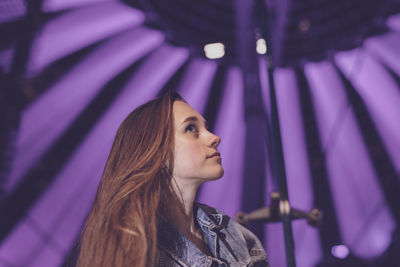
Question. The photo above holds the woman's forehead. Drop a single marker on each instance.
(183, 111)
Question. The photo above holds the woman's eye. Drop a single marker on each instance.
(191, 128)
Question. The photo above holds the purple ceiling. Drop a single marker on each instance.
(98, 60)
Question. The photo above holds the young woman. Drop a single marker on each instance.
(145, 213)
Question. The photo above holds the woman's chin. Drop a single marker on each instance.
(218, 174)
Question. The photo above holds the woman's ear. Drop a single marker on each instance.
(168, 164)
(166, 167)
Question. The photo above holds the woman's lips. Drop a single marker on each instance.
(216, 154)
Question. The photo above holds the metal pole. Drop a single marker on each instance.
(271, 26)
(254, 164)
(281, 175)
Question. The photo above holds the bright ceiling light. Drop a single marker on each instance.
(340, 251)
(215, 50)
(261, 46)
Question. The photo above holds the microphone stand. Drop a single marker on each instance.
(279, 209)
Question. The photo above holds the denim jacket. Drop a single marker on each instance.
(230, 243)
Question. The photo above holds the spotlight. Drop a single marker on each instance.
(261, 46)
(215, 50)
(340, 251)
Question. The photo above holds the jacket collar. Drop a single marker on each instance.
(222, 230)
(178, 246)
(215, 226)
(207, 216)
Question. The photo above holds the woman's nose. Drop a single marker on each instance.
(215, 140)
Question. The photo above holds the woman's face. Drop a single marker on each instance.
(196, 154)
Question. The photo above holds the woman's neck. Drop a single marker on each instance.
(186, 193)
(183, 218)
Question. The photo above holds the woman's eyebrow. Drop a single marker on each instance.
(193, 118)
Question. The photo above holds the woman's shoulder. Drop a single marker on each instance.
(236, 233)
(232, 226)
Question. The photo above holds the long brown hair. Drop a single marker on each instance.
(121, 229)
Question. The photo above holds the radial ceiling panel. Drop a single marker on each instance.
(195, 86)
(351, 172)
(47, 118)
(383, 106)
(58, 39)
(12, 10)
(60, 5)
